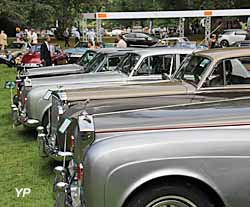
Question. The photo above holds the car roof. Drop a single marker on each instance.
(173, 38)
(229, 30)
(114, 50)
(162, 50)
(222, 53)
(136, 33)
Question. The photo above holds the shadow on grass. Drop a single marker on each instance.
(47, 166)
(25, 133)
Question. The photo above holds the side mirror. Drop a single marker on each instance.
(165, 76)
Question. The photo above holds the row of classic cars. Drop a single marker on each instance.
(109, 67)
(148, 127)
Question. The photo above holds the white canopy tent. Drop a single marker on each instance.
(207, 14)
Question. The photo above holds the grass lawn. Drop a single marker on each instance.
(21, 166)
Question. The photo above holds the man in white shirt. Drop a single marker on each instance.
(77, 36)
(34, 39)
(121, 43)
(91, 36)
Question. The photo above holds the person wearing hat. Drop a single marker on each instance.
(45, 55)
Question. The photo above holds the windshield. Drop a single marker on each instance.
(86, 58)
(128, 63)
(95, 63)
(192, 69)
(35, 48)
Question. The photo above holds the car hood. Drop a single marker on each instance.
(97, 78)
(169, 117)
(47, 71)
(167, 144)
(31, 58)
(121, 98)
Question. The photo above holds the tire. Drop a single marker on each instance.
(224, 43)
(170, 194)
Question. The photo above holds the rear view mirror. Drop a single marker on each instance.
(165, 76)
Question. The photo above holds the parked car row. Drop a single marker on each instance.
(143, 127)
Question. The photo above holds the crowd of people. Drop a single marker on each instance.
(28, 35)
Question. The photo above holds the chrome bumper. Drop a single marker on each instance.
(67, 192)
(31, 65)
(46, 150)
(15, 115)
(21, 118)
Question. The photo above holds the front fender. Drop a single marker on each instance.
(144, 172)
(44, 109)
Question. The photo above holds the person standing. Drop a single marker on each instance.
(3, 40)
(34, 38)
(91, 45)
(121, 43)
(213, 42)
(45, 55)
(66, 37)
(77, 36)
(91, 36)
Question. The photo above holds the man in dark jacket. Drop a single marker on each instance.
(45, 52)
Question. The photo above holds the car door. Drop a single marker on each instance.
(230, 78)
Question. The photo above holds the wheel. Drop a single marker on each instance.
(170, 195)
(224, 43)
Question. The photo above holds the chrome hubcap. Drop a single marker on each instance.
(171, 201)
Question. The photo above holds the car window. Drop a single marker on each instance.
(110, 64)
(241, 33)
(130, 36)
(95, 62)
(141, 35)
(230, 72)
(193, 69)
(128, 63)
(86, 58)
(156, 65)
(35, 48)
(227, 33)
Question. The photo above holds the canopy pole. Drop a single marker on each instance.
(207, 28)
(98, 30)
(182, 27)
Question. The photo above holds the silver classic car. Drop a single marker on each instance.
(140, 66)
(194, 155)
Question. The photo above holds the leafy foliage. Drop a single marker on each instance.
(44, 13)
